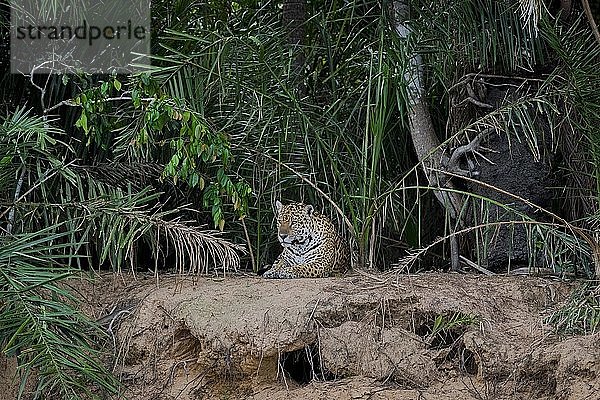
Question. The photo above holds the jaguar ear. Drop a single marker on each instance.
(309, 209)
(278, 205)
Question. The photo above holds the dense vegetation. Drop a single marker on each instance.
(246, 104)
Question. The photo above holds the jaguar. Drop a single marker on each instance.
(312, 247)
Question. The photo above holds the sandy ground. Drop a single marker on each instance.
(428, 336)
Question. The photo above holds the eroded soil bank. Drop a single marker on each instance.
(429, 336)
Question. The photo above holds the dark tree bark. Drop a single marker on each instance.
(294, 19)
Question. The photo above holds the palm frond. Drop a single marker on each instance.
(39, 324)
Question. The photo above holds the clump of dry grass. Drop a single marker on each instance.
(580, 315)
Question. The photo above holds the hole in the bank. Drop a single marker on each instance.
(468, 362)
(442, 330)
(304, 365)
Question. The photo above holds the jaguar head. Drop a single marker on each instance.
(294, 223)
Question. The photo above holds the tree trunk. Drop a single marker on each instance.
(294, 19)
(426, 143)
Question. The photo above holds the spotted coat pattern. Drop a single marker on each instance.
(312, 248)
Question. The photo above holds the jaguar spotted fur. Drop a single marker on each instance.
(312, 247)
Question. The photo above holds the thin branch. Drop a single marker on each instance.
(254, 266)
(590, 18)
(11, 214)
(71, 103)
